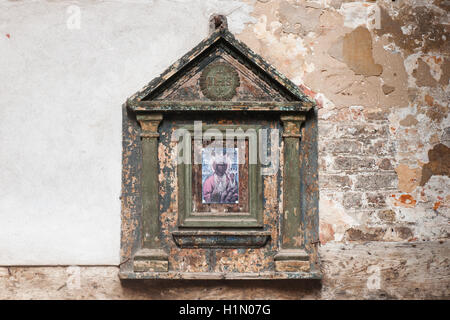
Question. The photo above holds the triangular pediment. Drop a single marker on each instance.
(221, 68)
(193, 85)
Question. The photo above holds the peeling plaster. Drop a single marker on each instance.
(355, 49)
(360, 14)
(334, 214)
(383, 165)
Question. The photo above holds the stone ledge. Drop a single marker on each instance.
(220, 239)
(171, 275)
(150, 260)
(292, 266)
(292, 260)
(220, 106)
(292, 254)
(150, 265)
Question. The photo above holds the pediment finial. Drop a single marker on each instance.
(216, 22)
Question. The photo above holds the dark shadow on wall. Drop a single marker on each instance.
(223, 289)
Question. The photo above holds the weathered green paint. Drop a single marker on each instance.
(150, 257)
(291, 185)
(292, 233)
(219, 106)
(150, 184)
(167, 198)
(156, 194)
(150, 187)
(253, 218)
(220, 239)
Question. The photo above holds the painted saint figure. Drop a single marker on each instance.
(221, 186)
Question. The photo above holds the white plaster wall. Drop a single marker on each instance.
(61, 92)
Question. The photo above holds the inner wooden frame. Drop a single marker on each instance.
(217, 218)
(242, 206)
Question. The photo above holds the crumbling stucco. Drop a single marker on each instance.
(355, 49)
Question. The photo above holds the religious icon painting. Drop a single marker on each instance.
(220, 175)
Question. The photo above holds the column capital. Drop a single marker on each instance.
(293, 118)
(292, 261)
(149, 124)
(292, 125)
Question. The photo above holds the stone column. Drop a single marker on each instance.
(150, 258)
(292, 255)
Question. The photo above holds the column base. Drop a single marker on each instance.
(151, 260)
(292, 260)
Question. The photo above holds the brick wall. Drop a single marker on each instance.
(379, 71)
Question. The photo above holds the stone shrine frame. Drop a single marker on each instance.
(219, 218)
